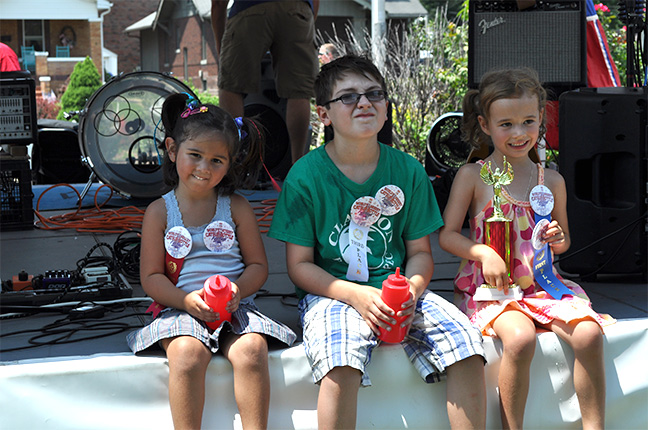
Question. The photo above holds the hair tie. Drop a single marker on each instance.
(190, 111)
(192, 106)
(239, 126)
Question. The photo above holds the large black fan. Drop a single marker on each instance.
(446, 152)
(445, 149)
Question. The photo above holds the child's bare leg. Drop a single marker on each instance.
(248, 354)
(466, 394)
(518, 334)
(337, 403)
(586, 340)
(188, 360)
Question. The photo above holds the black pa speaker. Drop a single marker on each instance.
(270, 110)
(56, 158)
(548, 37)
(603, 160)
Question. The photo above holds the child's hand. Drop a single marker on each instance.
(369, 303)
(407, 309)
(234, 302)
(554, 234)
(495, 271)
(194, 304)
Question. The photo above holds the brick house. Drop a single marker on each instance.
(177, 38)
(126, 45)
(62, 33)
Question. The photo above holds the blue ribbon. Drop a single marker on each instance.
(543, 269)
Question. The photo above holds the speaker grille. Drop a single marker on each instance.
(550, 41)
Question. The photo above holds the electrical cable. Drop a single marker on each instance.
(77, 326)
(127, 253)
(264, 214)
(614, 254)
(95, 220)
(75, 304)
(630, 224)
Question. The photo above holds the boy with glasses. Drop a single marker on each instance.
(351, 212)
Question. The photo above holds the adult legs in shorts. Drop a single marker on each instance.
(287, 30)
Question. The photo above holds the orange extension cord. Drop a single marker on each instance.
(264, 214)
(98, 220)
(95, 220)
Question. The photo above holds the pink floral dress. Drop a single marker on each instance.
(536, 303)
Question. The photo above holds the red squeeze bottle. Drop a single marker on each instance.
(395, 291)
(218, 291)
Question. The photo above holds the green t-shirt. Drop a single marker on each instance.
(314, 208)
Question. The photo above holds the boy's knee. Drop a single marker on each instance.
(344, 376)
(473, 365)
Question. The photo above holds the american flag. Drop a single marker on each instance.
(601, 70)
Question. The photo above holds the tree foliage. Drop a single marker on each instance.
(84, 81)
(426, 71)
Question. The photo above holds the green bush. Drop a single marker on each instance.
(84, 81)
(204, 96)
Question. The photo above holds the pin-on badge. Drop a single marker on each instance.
(177, 242)
(391, 199)
(219, 236)
(365, 211)
(538, 232)
(542, 200)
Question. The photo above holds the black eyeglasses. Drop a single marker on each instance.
(353, 98)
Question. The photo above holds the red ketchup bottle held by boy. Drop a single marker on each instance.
(395, 291)
(218, 291)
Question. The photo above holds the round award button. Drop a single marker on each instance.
(219, 236)
(391, 199)
(365, 211)
(542, 200)
(177, 242)
(538, 232)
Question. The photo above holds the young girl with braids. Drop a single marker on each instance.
(207, 156)
(507, 113)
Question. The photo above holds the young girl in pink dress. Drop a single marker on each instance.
(507, 112)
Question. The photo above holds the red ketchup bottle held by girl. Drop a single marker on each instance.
(218, 291)
(395, 291)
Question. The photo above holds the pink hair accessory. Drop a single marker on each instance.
(190, 111)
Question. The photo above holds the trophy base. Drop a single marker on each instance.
(488, 293)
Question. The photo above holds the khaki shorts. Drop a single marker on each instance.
(287, 30)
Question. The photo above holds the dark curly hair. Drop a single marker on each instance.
(245, 154)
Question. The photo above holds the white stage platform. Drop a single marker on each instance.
(123, 391)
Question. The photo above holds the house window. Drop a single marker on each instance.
(33, 33)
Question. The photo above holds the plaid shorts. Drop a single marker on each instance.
(173, 322)
(335, 335)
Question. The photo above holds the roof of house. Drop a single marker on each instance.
(50, 10)
(393, 9)
(143, 24)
